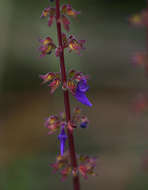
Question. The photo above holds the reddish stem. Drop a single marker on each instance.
(147, 26)
(146, 65)
(76, 182)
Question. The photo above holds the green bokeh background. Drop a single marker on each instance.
(116, 135)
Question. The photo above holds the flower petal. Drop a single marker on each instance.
(81, 97)
(66, 23)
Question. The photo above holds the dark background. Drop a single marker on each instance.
(116, 135)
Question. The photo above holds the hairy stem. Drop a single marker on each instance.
(76, 183)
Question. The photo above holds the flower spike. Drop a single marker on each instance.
(67, 162)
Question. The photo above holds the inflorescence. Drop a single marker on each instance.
(76, 84)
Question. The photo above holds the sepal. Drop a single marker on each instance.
(46, 46)
(54, 123)
(53, 79)
(49, 12)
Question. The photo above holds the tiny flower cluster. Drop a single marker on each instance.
(78, 119)
(54, 80)
(86, 166)
(74, 78)
(140, 58)
(70, 42)
(139, 19)
(47, 46)
(145, 161)
(56, 122)
(76, 84)
(66, 10)
(141, 103)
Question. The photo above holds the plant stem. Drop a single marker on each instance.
(146, 65)
(76, 182)
(147, 27)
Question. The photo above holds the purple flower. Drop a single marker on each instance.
(81, 89)
(84, 124)
(62, 138)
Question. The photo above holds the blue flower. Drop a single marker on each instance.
(84, 124)
(81, 89)
(62, 138)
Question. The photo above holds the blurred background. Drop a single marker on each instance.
(116, 135)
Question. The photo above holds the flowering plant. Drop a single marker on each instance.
(140, 20)
(141, 58)
(75, 82)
